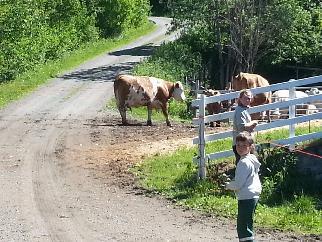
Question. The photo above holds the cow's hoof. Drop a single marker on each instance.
(169, 125)
(149, 123)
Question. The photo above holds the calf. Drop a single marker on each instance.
(317, 103)
(301, 109)
(213, 108)
(135, 91)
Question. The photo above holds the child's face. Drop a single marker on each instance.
(246, 99)
(243, 148)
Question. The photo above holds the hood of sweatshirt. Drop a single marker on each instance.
(255, 161)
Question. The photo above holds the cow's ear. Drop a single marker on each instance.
(245, 80)
(177, 85)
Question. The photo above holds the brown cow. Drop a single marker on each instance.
(135, 91)
(213, 108)
(247, 81)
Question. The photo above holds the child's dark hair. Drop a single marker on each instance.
(243, 93)
(246, 136)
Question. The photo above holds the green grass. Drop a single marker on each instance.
(175, 177)
(29, 81)
(141, 113)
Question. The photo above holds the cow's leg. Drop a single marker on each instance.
(211, 124)
(268, 114)
(165, 113)
(149, 121)
(122, 111)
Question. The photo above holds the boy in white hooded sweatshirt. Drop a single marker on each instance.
(246, 185)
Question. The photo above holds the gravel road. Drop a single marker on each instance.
(64, 160)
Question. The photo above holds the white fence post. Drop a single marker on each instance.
(202, 151)
(292, 114)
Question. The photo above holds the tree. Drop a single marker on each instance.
(239, 34)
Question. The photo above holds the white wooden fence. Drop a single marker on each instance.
(291, 103)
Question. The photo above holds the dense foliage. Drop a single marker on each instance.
(251, 36)
(35, 31)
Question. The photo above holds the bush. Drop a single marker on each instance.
(280, 177)
(35, 31)
(114, 17)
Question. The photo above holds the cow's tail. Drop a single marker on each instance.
(117, 74)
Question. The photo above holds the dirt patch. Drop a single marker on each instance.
(116, 148)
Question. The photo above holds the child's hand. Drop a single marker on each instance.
(225, 177)
(226, 185)
(253, 124)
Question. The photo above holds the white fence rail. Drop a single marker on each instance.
(291, 103)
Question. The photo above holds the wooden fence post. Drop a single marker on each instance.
(202, 151)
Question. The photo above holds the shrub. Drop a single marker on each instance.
(280, 177)
(117, 16)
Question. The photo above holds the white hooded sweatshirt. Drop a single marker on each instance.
(246, 183)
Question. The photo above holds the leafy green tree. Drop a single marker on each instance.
(240, 34)
(115, 16)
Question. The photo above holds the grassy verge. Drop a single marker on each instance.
(28, 81)
(174, 176)
(141, 113)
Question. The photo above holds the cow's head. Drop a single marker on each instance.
(239, 82)
(178, 92)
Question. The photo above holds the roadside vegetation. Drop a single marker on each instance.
(29, 80)
(40, 39)
(279, 39)
(290, 200)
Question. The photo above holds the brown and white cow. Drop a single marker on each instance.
(135, 91)
(249, 80)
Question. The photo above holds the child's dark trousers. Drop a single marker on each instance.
(246, 210)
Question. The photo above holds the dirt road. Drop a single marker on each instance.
(64, 160)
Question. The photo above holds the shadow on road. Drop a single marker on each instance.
(107, 73)
(144, 50)
(115, 124)
(99, 74)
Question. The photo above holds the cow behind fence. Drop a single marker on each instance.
(291, 103)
